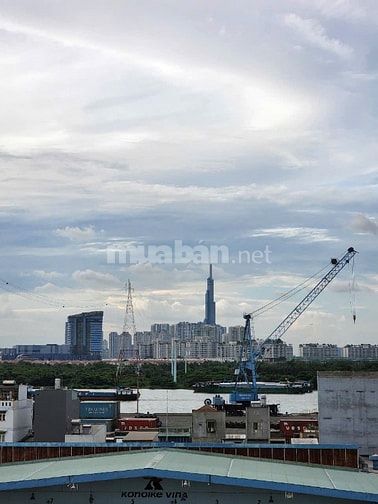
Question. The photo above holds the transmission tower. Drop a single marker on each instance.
(129, 321)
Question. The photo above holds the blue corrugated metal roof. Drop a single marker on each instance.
(208, 468)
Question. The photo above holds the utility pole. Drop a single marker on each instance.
(174, 360)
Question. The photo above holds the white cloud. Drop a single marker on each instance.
(96, 279)
(77, 233)
(302, 234)
(364, 224)
(47, 275)
(315, 34)
(342, 9)
(107, 124)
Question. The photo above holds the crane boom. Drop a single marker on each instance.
(248, 365)
(312, 295)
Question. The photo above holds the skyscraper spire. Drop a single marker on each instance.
(209, 299)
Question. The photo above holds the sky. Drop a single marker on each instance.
(248, 125)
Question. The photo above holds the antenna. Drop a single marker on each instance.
(129, 320)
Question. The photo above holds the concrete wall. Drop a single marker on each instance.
(202, 419)
(18, 410)
(348, 409)
(18, 420)
(172, 491)
(176, 421)
(258, 423)
(97, 434)
(53, 412)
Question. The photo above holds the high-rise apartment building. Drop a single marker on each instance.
(360, 352)
(84, 334)
(317, 351)
(120, 343)
(234, 333)
(276, 350)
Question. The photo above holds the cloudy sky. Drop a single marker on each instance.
(245, 124)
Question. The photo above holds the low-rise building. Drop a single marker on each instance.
(169, 476)
(86, 433)
(208, 424)
(230, 423)
(49, 351)
(16, 412)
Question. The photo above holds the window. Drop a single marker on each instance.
(255, 426)
(2, 437)
(2, 416)
(211, 426)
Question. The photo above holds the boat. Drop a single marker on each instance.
(296, 387)
(118, 394)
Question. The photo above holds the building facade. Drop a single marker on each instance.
(50, 351)
(16, 412)
(54, 410)
(317, 351)
(177, 476)
(348, 409)
(277, 350)
(120, 344)
(360, 352)
(84, 334)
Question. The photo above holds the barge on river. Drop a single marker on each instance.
(296, 387)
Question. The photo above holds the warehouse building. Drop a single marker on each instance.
(174, 476)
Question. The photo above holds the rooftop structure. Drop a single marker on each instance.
(174, 474)
(331, 455)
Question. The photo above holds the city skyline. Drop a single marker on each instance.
(247, 126)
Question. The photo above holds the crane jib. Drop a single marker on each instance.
(249, 364)
(312, 295)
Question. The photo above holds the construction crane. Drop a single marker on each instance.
(250, 351)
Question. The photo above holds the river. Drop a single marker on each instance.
(184, 401)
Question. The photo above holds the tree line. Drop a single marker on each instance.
(158, 375)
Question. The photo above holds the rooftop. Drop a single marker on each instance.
(206, 468)
(348, 374)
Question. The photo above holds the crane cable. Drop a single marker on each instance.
(288, 294)
(352, 291)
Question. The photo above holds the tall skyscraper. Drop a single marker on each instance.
(84, 335)
(209, 300)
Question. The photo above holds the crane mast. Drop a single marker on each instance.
(247, 363)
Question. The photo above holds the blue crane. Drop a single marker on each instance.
(251, 351)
